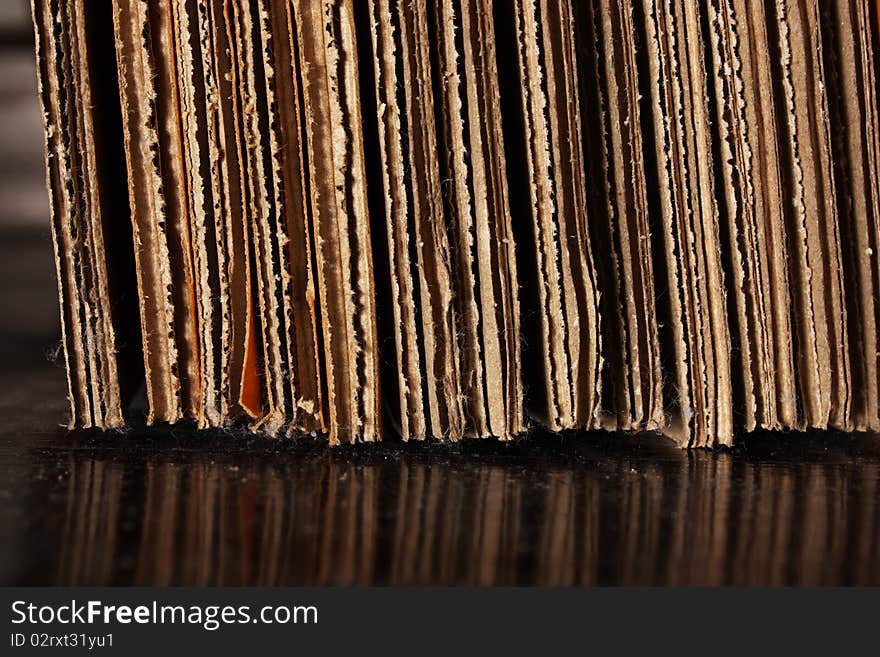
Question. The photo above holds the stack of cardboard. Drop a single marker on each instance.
(458, 218)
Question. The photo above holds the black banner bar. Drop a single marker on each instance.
(436, 621)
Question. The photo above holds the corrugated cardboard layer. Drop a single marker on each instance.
(294, 264)
(339, 209)
(479, 217)
(456, 219)
(569, 329)
(632, 385)
(93, 269)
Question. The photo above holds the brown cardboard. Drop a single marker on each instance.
(155, 285)
(442, 218)
(480, 219)
(295, 262)
(227, 208)
(438, 311)
(569, 336)
(185, 23)
(58, 174)
(342, 231)
(385, 32)
(849, 61)
(811, 221)
(632, 389)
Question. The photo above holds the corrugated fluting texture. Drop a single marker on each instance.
(456, 218)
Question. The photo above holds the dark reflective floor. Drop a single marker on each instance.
(551, 512)
(154, 508)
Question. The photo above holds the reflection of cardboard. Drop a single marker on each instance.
(151, 521)
(443, 219)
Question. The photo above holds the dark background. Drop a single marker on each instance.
(166, 507)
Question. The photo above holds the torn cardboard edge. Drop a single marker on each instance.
(447, 219)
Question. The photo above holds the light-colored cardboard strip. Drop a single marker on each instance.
(631, 229)
(494, 242)
(174, 194)
(295, 257)
(447, 25)
(642, 246)
(700, 413)
(251, 395)
(692, 425)
(847, 38)
(141, 136)
(92, 189)
(327, 51)
(585, 343)
(557, 411)
(346, 79)
(802, 317)
(503, 246)
(812, 215)
(682, 395)
(78, 155)
(226, 191)
(828, 232)
(614, 47)
(738, 44)
(641, 249)
(196, 162)
(763, 232)
(254, 77)
(615, 399)
(336, 326)
(692, 153)
(272, 23)
(109, 284)
(393, 126)
(736, 203)
(48, 53)
(434, 259)
(551, 109)
(85, 220)
(715, 328)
